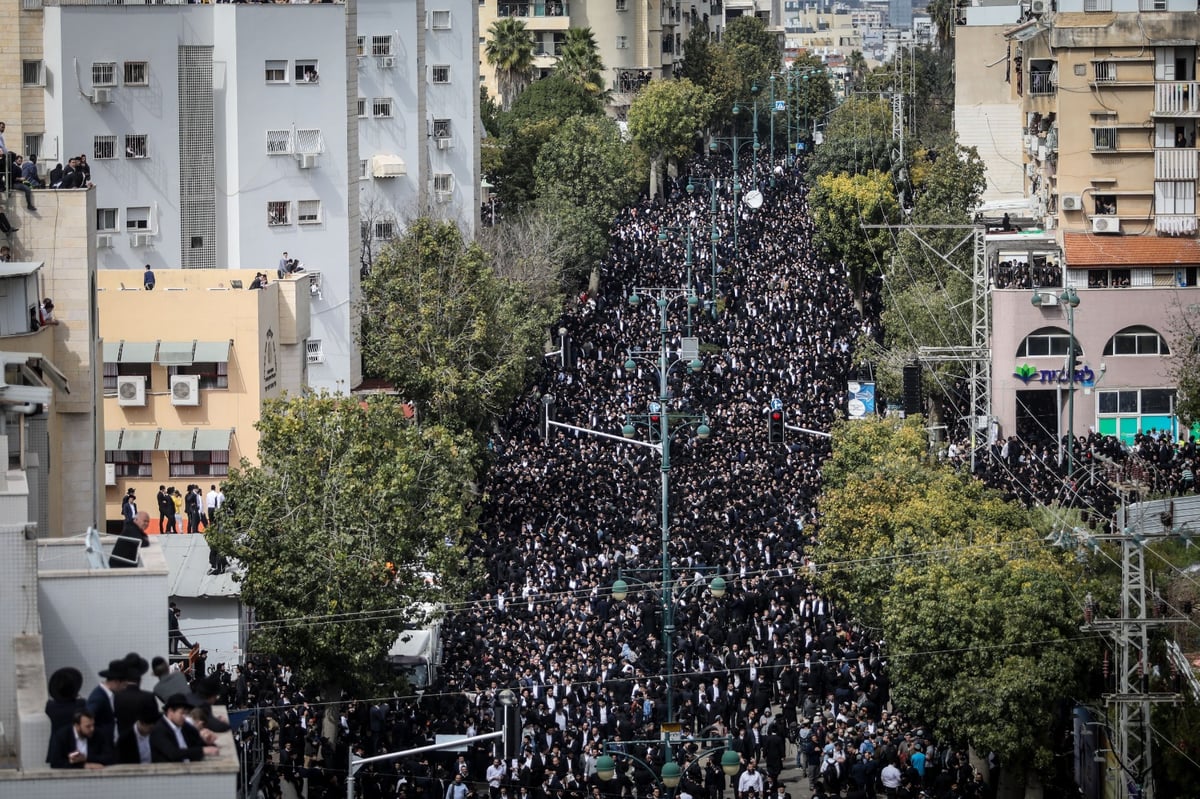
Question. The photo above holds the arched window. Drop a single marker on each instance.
(1047, 342)
(1137, 340)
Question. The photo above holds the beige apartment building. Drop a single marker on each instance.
(1090, 107)
(186, 368)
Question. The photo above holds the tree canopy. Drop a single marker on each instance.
(981, 618)
(667, 117)
(509, 49)
(841, 206)
(351, 518)
(441, 327)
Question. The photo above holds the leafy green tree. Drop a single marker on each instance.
(698, 51)
(861, 118)
(665, 120)
(579, 61)
(980, 617)
(586, 174)
(754, 49)
(339, 529)
(440, 326)
(841, 206)
(509, 49)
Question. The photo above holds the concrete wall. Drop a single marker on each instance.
(91, 616)
(986, 114)
(60, 236)
(214, 623)
(18, 597)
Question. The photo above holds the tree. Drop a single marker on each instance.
(351, 518)
(665, 119)
(579, 61)
(1183, 323)
(534, 249)
(586, 174)
(841, 205)
(980, 617)
(440, 326)
(510, 50)
(754, 49)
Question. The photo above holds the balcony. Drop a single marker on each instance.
(547, 9)
(1175, 163)
(1176, 99)
(1175, 224)
(1041, 83)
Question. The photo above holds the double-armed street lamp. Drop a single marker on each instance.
(670, 774)
(1069, 301)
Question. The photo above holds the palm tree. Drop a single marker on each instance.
(579, 60)
(510, 51)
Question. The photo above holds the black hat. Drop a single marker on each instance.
(147, 711)
(136, 666)
(178, 700)
(65, 684)
(116, 671)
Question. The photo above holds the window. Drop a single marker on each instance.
(308, 212)
(362, 107)
(441, 74)
(441, 128)
(214, 374)
(306, 72)
(135, 145)
(381, 107)
(385, 228)
(137, 218)
(1104, 71)
(441, 20)
(362, 46)
(106, 220)
(443, 183)
(1152, 5)
(137, 73)
(1106, 204)
(277, 71)
(1127, 412)
(279, 212)
(199, 463)
(279, 142)
(1047, 342)
(33, 145)
(1175, 197)
(622, 5)
(104, 73)
(31, 73)
(104, 147)
(130, 463)
(622, 42)
(1043, 76)
(113, 371)
(309, 140)
(1139, 340)
(1104, 138)
(381, 45)
(364, 169)
(1097, 5)
(314, 352)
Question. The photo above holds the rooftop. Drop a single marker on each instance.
(1084, 249)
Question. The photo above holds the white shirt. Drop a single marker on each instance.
(81, 745)
(178, 737)
(210, 500)
(143, 742)
(495, 773)
(890, 776)
(750, 781)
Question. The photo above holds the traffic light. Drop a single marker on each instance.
(775, 428)
(655, 419)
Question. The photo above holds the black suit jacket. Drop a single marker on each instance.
(165, 749)
(126, 549)
(62, 744)
(127, 748)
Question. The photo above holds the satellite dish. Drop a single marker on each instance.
(753, 198)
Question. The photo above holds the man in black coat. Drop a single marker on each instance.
(78, 746)
(133, 747)
(173, 740)
(125, 551)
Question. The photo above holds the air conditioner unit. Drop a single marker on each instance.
(110, 474)
(442, 196)
(1037, 7)
(1070, 202)
(101, 95)
(1106, 224)
(104, 241)
(140, 239)
(131, 391)
(443, 143)
(387, 62)
(185, 389)
(308, 160)
(1049, 299)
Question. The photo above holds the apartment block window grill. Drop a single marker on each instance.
(104, 73)
(104, 147)
(137, 73)
(135, 145)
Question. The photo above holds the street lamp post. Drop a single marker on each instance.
(714, 146)
(664, 235)
(1069, 301)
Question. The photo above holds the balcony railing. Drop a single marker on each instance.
(632, 80)
(1177, 98)
(1041, 83)
(1175, 163)
(1175, 224)
(549, 9)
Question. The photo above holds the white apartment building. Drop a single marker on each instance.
(418, 114)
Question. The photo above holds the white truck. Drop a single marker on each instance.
(417, 654)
